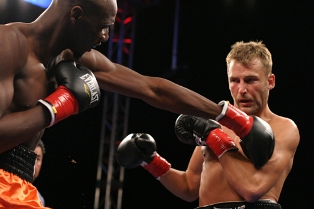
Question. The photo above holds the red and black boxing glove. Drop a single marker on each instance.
(257, 138)
(77, 91)
(139, 149)
(199, 131)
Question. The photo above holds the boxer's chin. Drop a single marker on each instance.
(250, 110)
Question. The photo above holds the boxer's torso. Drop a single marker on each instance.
(214, 186)
(26, 79)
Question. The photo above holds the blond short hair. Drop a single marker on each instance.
(244, 52)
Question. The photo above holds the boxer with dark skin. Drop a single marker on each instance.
(68, 30)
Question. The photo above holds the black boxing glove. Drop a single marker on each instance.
(199, 131)
(257, 138)
(77, 91)
(140, 149)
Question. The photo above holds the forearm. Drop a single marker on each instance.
(140, 149)
(16, 128)
(244, 178)
(177, 183)
(157, 92)
(178, 99)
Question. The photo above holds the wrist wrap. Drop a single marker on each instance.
(234, 119)
(158, 166)
(60, 104)
(220, 142)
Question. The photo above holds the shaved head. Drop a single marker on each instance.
(102, 7)
(82, 24)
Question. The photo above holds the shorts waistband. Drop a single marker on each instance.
(243, 205)
(19, 161)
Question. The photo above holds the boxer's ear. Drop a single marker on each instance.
(271, 81)
(75, 14)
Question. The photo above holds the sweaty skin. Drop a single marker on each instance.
(67, 30)
(232, 177)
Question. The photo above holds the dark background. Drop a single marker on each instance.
(207, 29)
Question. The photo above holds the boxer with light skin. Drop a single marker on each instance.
(50, 71)
(224, 170)
(40, 150)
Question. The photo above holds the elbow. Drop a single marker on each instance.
(189, 198)
(253, 189)
(252, 196)
(253, 192)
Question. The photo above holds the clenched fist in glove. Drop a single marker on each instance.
(257, 138)
(140, 149)
(77, 91)
(199, 131)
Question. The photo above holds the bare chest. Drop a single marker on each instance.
(214, 186)
(30, 85)
(211, 164)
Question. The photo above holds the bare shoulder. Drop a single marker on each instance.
(97, 61)
(13, 35)
(14, 45)
(285, 130)
(282, 123)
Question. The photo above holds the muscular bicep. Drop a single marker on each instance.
(7, 95)
(6, 81)
(286, 143)
(275, 172)
(252, 183)
(12, 58)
